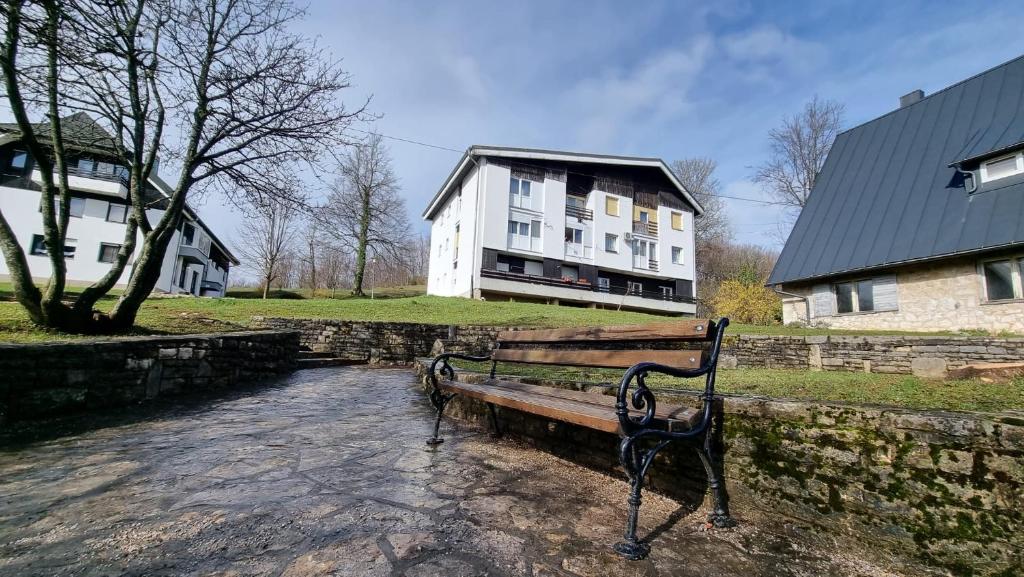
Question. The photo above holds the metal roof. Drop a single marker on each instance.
(890, 192)
(555, 155)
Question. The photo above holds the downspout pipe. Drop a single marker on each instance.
(807, 302)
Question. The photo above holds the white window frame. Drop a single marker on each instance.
(614, 242)
(517, 199)
(677, 251)
(1019, 156)
(1015, 276)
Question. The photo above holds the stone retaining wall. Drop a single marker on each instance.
(37, 380)
(929, 356)
(942, 488)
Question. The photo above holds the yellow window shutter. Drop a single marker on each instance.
(677, 220)
(611, 205)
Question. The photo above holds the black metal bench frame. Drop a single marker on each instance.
(641, 439)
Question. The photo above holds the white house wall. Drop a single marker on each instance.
(443, 278)
(20, 206)
(21, 209)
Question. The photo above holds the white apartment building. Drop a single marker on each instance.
(196, 262)
(564, 228)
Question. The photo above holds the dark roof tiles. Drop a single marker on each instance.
(888, 195)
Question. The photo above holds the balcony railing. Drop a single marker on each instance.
(572, 211)
(648, 228)
(578, 250)
(583, 285)
(652, 264)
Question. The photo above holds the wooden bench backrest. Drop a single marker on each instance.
(540, 346)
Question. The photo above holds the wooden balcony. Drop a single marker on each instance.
(572, 211)
(645, 228)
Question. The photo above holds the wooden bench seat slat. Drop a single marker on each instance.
(692, 329)
(599, 358)
(668, 412)
(590, 412)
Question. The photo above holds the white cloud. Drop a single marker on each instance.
(768, 45)
(657, 90)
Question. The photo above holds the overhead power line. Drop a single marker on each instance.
(517, 161)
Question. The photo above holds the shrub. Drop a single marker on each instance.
(748, 303)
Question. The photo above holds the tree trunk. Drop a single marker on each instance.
(364, 228)
(266, 287)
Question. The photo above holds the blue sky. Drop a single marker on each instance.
(667, 79)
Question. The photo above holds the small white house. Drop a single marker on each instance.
(564, 228)
(196, 262)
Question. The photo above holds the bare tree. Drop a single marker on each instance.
(223, 89)
(365, 212)
(264, 240)
(712, 229)
(798, 151)
(698, 177)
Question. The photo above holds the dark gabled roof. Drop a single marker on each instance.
(79, 129)
(83, 133)
(889, 192)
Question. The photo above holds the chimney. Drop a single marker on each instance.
(910, 98)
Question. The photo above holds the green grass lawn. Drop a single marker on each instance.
(408, 304)
(399, 304)
(896, 390)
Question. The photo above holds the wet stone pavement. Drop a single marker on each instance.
(327, 473)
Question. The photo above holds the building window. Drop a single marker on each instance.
(524, 236)
(603, 283)
(455, 252)
(855, 296)
(117, 212)
(39, 246)
(181, 277)
(667, 291)
(999, 283)
(611, 205)
(519, 194)
(1002, 167)
(573, 235)
(677, 221)
(611, 242)
(570, 273)
(108, 252)
(19, 160)
(677, 255)
(634, 288)
(188, 235)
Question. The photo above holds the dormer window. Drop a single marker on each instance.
(1002, 167)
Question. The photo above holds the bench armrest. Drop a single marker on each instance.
(642, 398)
(441, 365)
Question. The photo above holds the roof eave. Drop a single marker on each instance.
(555, 155)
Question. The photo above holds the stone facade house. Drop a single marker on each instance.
(916, 221)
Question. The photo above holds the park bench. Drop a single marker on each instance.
(633, 413)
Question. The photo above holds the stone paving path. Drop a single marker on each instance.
(327, 474)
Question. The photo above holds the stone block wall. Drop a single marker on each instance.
(946, 296)
(940, 488)
(38, 380)
(929, 356)
(383, 343)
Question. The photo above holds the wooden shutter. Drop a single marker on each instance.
(611, 205)
(677, 220)
(885, 296)
(824, 301)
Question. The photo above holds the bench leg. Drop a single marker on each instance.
(495, 428)
(633, 462)
(440, 401)
(719, 515)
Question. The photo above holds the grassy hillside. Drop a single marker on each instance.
(404, 304)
